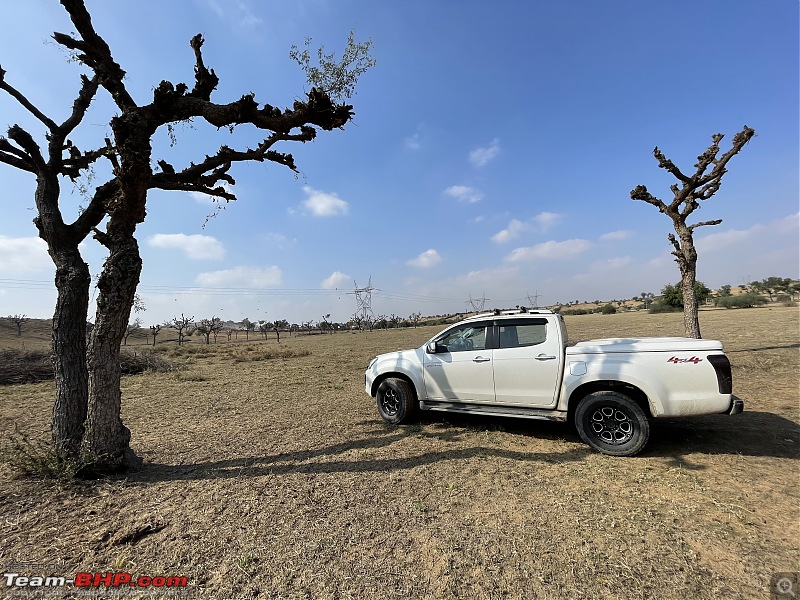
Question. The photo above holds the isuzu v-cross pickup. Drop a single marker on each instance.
(518, 364)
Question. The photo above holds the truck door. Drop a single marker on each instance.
(461, 369)
(527, 363)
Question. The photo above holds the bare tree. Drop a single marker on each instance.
(325, 324)
(415, 318)
(155, 329)
(19, 321)
(86, 412)
(133, 327)
(264, 327)
(687, 195)
(209, 327)
(183, 325)
(248, 327)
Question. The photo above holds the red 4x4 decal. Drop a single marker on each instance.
(676, 360)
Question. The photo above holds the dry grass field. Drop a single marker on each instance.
(269, 477)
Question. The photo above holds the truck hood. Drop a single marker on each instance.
(401, 356)
(649, 344)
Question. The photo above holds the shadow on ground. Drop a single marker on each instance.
(748, 434)
(318, 460)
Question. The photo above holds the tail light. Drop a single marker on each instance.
(722, 366)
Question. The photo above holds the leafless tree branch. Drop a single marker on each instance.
(27, 104)
(11, 155)
(94, 53)
(205, 81)
(704, 223)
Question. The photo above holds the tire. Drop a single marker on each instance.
(612, 423)
(396, 401)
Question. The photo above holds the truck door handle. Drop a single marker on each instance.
(480, 359)
(545, 357)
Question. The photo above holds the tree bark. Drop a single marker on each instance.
(69, 353)
(106, 441)
(686, 257)
(72, 280)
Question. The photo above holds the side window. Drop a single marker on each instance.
(467, 337)
(520, 336)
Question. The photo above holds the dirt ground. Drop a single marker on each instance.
(275, 478)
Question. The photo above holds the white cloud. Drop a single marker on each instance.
(551, 249)
(429, 258)
(616, 236)
(480, 157)
(462, 193)
(413, 142)
(278, 239)
(336, 280)
(542, 223)
(320, 204)
(612, 264)
(513, 231)
(240, 13)
(488, 277)
(24, 254)
(242, 277)
(758, 235)
(197, 247)
(545, 221)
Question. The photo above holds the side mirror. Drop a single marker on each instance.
(432, 348)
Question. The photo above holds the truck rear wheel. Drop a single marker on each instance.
(396, 400)
(612, 423)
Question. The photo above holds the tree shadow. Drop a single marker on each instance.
(298, 462)
(784, 347)
(751, 433)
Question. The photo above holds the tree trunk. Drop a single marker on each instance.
(107, 439)
(72, 281)
(69, 353)
(691, 320)
(687, 262)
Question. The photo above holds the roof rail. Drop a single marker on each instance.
(513, 311)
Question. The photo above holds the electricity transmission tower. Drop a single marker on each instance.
(364, 302)
(533, 299)
(477, 304)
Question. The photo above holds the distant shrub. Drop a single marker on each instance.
(672, 295)
(747, 300)
(24, 366)
(577, 311)
(608, 309)
(31, 366)
(657, 307)
(133, 362)
(270, 354)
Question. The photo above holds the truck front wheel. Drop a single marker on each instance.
(612, 423)
(396, 400)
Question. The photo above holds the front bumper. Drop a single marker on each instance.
(737, 406)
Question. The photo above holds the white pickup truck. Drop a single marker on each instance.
(518, 364)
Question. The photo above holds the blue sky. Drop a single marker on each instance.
(492, 153)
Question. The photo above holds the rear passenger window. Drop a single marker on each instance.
(520, 336)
